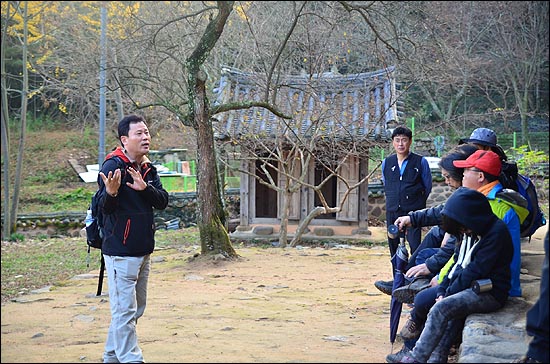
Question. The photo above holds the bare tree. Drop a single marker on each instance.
(516, 45)
(178, 49)
(211, 217)
(315, 38)
(333, 117)
(462, 52)
(6, 17)
(442, 62)
(21, 10)
(168, 71)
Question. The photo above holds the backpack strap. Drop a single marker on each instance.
(101, 275)
(512, 196)
(120, 164)
(516, 201)
(119, 161)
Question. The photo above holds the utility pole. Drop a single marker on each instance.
(102, 71)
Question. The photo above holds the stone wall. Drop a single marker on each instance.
(183, 205)
(181, 211)
(377, 202)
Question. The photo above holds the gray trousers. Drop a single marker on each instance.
(127, 279)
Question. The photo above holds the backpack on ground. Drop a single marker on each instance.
(94, 228)
(511, 178)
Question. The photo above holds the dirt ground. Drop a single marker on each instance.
(306, 305)
(273, 305)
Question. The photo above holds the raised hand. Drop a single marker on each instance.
(139, 184)
(111, 181)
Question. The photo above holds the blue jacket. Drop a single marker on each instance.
(513, 215)
(128, 220)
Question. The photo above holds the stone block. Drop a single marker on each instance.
(262, 230)
(324, 231)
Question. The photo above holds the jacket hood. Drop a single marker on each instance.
(117, 152)
(471, 209)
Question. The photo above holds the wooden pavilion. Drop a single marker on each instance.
(352, 113)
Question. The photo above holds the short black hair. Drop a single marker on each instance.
(402, 130)
(489, 177)
(460, 152)
(124, 124)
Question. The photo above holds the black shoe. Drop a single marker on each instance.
(384, 286)
(396, 358)
(406, 293)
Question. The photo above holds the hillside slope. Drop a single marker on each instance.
(49, 183)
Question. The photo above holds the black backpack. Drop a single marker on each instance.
(511, 178)
(94, 227)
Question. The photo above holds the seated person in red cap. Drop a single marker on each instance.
(481, 171)
(485, 253)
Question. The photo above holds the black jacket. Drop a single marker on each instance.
(430, 217)
(128, 220)
(407, 192)
(491, 256)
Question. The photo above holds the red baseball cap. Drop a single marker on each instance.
(485, 160)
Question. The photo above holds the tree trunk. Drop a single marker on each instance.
(23, 115)
(211, 216)
(317, 211)
(5, 131)
(283, 226)
(6, 167)
(525, 139)
(118, 92)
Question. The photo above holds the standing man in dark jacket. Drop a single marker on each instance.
(407, 184)
(128, 197)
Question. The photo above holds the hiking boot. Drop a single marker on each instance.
(406, 293)
(408, 359)
(396, 357)
(411, 330)
(384, 286)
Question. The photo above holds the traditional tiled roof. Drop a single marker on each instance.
(357, 107)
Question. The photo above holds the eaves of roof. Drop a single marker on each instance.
(355, 107)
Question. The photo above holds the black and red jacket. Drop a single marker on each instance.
(128, 220)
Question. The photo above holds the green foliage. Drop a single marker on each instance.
(53, 176)
(42, 122)
(529, 161)
(88, 140)
(170, 238)
(16, 237)
(73, 200)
